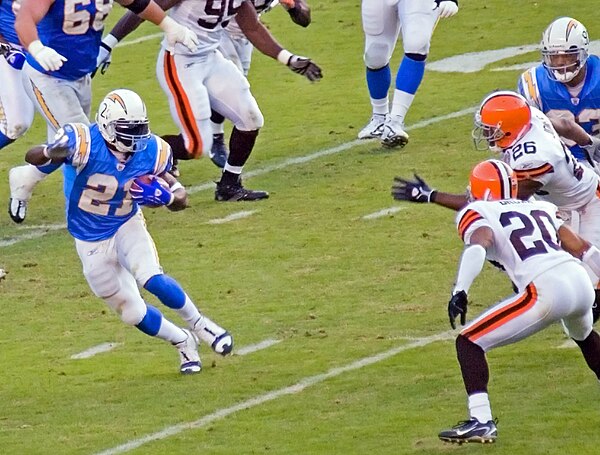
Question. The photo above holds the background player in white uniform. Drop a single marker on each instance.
(236, 47)
(382, 21)
(544, 166)
(196, 81)
(566, 87)
(552, 285)
(16, 113)
(104, 217)
(62, 38)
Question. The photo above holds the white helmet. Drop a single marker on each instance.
(565, 46)
(123, 122)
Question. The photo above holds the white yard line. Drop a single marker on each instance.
(232, 217)
(382, 213)
(568, 344)
(284, 164)
(140, 40)
(35, 232)
(256, 347)
(270, 396)
(91, 352)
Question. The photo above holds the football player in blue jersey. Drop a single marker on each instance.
(108, 159)
(382, 22)
(62, 38)
(566, 87)
(18, 109)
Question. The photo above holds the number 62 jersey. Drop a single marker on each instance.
(525, 236)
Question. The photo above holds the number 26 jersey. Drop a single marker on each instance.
(525, 236)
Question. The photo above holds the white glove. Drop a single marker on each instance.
(105, 54)
(593, 149)
(177, 33)
(446, 8)
(47, 57)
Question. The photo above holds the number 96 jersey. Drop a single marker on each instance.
(540, 155)
(525, 236)
(206, 18)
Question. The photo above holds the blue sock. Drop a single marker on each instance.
(168, 291)
(378, 82)
(5, 140)
(410, 74)
(150, 325)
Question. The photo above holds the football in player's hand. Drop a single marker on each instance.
(147, 180)
(150, 191)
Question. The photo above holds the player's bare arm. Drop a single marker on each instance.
(179, 193)
(299, 11)
(256, 32)
(528, 188)
(130, 21)
(30, 14)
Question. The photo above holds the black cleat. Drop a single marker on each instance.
(471, 431)
(219, 153)
(237, 192)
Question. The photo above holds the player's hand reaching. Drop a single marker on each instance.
(305, 66)
(411, 190)
(150, 193)
(457, 306)
(47, 57)
(446, 8)
(177, 33)
(59, 148)
(104, 58)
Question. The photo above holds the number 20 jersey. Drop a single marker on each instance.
(540, 155)
(206, 18)
(525, 236)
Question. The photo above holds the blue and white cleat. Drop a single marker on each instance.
(219, 339)
(188, 354)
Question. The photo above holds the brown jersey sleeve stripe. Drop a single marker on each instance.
(470, 217)
(182, 104)
(503, 315)
(535, 172)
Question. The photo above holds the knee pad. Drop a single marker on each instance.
(377, 55)
(250, 119)
(168, 291)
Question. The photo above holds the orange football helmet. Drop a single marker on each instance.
(492, 180)
(501, 120)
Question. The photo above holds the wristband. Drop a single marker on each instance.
(45, 152)
(284, 56)
(109, 42)
(176, 186)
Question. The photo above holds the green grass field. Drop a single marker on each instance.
(365, 362)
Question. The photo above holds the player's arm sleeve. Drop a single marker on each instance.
(81, 144)
(164, 157)
(528, 87)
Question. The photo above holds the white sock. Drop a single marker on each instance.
(381, 106)
(401, 103)
(189, 312)
(170, 332)
(26, 178)
(479, 407)
(217, 128)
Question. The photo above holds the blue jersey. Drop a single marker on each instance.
(549, 95)
(7, 22)
(99, 202)
(74, 30)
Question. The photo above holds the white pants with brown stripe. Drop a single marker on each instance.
(58, 100)
(17, 109)
(563, 293)
(195, 83)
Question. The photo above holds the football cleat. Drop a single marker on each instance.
(471, 431)
(219, 339)
(219, 153)
(174, 171)
(17, 209)
(188, 354)
(374, 128)
(236, 192)
(393, 134)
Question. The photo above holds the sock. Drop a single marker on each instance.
(5, 140)
(378, 83)
(241, 144)
(217, 128)
(479, 407)
(177, 144)
(409, 77)
(590, 348)
(171, 294)
(25, 179)
(155, 325)
(473, 365)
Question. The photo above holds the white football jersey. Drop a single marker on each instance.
(206, 18)
(540, 155)
(525, 236)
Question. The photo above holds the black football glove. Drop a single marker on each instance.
(411, 190)
(306, 67)
(458, 306)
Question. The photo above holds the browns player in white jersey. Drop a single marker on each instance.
(544, 166)
(196, 81)
(552, 285)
